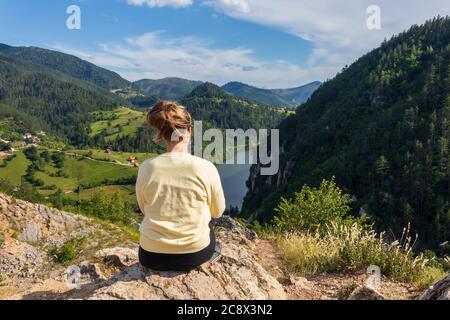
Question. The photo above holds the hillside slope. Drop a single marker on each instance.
(212, 104)
(65, 64)
(382, 127)
(58, 103)
(167, 88)
(29, 232)
(109, 269)
(106, 256)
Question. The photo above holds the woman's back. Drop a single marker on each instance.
(178, 194)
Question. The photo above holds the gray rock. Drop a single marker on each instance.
(229, 224)
(119, 257)
(438, 291)
(93, 270)
(365, 293)
(235, 276)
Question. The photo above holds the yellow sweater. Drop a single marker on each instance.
(178, 194)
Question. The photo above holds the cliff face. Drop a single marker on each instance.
(265, 191)
(108, 264)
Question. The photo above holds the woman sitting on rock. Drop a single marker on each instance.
(178, 194)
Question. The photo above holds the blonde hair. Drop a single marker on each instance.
(168, 117)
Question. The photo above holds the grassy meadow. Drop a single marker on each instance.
(122, 121)
(15, 168)
(88, 168)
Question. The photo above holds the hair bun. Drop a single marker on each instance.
(168, 117)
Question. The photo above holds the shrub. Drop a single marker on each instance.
(111, 208)
(6, 186)
(69, 251)
(312, 209)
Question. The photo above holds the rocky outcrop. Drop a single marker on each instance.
(113, 272)
(439, 291)
(30, 230)
(236, 275)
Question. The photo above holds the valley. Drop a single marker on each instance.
(364, 156)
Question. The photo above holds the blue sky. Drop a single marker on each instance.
(266, 43)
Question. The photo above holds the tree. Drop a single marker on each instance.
(312, 209)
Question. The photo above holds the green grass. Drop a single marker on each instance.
(15, 169)
(84, 171)
(127, 192)
(128, 120)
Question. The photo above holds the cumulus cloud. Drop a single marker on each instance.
(337, 28)
(231, 6)
(153, 55)
(161, 3)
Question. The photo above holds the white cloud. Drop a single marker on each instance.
(152, 55)
(337, 28)
(161, 3)
(233, 6)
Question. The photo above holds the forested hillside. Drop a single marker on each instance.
(58, 104)
(212, 104)
(382, 128)
(65, 64)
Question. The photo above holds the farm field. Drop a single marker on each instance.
(82, 171)
(119, 122)
(75, 172)
(127, 192)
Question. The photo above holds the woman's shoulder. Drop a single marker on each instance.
(203, 162)
(147, 163)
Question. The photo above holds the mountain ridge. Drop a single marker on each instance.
(169, 88)
(67, 64)
(290, 97)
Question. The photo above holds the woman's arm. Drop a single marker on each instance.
(140, 183)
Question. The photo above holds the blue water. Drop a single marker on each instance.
(234, 177)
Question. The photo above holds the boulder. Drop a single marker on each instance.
(438, 291)
(114, 272)
(236, 275)
(119, 257)
(365, 293)
(234, 227)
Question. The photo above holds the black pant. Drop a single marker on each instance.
(177, 262)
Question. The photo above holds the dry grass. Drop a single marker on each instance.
(344, 248)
